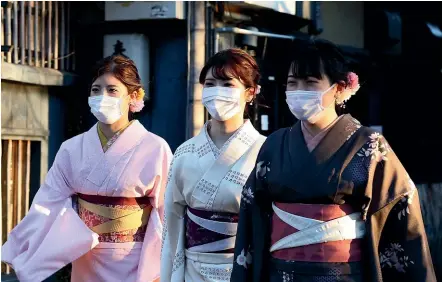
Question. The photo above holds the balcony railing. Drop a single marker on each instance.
(37, 33)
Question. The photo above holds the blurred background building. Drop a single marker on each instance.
(48, 49)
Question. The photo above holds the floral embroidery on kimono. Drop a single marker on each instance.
(261, 169)
(247, 195)
(369, 173)
(406, 201)
(357, 126)
(394, 257)
(377, 149)
(244, 259)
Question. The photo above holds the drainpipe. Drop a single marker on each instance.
(196, 44)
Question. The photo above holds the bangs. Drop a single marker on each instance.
(224, 72)
(230, 64)
(307, 63)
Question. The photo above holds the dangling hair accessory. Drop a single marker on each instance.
(350, 89)
(257, 91)
(137, 104)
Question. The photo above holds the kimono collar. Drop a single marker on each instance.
(313, 140)
(203, 137)
(105, 162)
(335, 137)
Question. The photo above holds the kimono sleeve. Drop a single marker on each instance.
(251, 246)
(173, 246)
(165, 168)
(149, 264)
(43, 242)
(396, 234)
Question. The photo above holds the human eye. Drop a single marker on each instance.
(311, 81)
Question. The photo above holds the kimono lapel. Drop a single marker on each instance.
(202, 148)
(126, 141)
(307, 169)
(300, 158)
(335, 138)
(93, 142)
(208, 185)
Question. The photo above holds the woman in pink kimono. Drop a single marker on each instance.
(101, 205)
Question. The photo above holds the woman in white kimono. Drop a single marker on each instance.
(207, 175)
(101, 205)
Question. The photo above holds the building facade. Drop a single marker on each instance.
(49, 48)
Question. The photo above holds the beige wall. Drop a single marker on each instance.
(25, 115)
(343, 22)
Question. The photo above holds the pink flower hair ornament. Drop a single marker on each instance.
(136, 106)
(350, 89)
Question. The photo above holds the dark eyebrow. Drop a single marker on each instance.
(111, 85)
(291, 76)
(210, 79)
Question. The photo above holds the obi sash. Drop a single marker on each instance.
(115, 219)
(316, 233)
(210, 232)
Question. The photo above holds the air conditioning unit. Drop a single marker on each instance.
(143, 10)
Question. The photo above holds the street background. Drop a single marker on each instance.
(49, 48)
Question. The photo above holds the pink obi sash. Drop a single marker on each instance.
(316, 233)
(115, 219)
(210, 232)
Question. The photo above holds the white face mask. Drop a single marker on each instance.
(307, 105)
(105, 108)
(222, 102)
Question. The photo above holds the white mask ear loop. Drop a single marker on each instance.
(325, 92)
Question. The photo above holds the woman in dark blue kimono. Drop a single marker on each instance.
(328, 199)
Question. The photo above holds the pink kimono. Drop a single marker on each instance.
(54, 234)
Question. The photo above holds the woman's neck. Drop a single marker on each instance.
(109, 130)
(221, 131)
(321, 124)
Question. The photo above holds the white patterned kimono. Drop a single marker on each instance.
(203, 178)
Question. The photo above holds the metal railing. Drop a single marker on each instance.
(37, 33)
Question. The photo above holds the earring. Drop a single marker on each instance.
(340, 104)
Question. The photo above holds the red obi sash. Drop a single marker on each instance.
(331, 251)
(138, 210)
